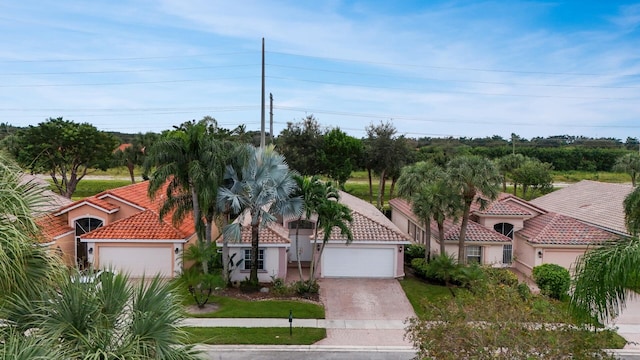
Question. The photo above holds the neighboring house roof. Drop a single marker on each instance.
(404, 207)
(475, 233)
(142, 225)
(557, 229)
(369, 224)
(272, 234)
(498, 208)
(52, 200)
(594, 202)
(52, 226)
(122, 147)
(145, 225)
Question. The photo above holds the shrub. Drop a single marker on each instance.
(553, 280)
(420, 266)
(413, 251)
(443, 269)
(279, 287)
(306, 288)
(524, 291)
(471, 277)
(501, 276)
(247, 285)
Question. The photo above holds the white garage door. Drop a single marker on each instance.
(358, 262)
(138, 261)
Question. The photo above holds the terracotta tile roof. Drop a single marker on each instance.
(593, 202)
(52, 200)
(557, 229)
(144, 225)
(404, 207)
(369, 224)
(475, 233)
(272, 234)
(102, 204)
(52, 226)
(501, 208)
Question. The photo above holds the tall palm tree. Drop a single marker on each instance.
(473, 176)
(632, 212)
(331, 214)
(259, 192)
(312, 191)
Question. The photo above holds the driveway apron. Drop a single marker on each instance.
(373, 301)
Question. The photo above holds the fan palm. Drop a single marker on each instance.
(472, 176)
(260, 191)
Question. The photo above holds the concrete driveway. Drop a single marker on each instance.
(379, 304)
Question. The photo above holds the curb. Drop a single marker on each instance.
(307, 348)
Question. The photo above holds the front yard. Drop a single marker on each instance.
(253, 336)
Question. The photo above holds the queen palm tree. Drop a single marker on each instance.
(312, 191)
(629, 163)
(604, 273)
(331, 214)
(259, 192)
(472, 176)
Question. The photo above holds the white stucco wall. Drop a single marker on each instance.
(272, 264)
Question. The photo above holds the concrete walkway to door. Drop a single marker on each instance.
(365, 299)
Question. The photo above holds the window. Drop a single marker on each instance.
(417, 234)
(84, 226)
(247, 259)
(474, 254)
(507, 254)
(302, 224)
(505, 229)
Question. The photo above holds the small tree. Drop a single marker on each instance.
(552, 279)
(630, 164)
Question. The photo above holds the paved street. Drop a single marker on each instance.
(312, 352)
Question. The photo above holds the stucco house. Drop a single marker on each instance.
(118, 228)
(510, 232)
(377, 249)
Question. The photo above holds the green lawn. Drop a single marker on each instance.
(253, 336)
(418, 291)
(237, 308)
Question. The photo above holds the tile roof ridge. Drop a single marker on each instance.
(140, 214)
(550, 223)
(110, 191)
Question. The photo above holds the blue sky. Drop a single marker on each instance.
(434, 68)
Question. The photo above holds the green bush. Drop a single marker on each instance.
(413, 251)
(501, 276)
(552, 279)
(443, 269)
(471, 277)
(524, 291)
(419, 266)
(306, 288)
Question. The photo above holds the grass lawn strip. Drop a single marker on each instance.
(237, 308)
(253, 336)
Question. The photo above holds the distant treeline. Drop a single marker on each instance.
(564, 152)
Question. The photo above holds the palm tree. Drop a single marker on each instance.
(24, 266)
(473, 176)
(506, 165)
(331, 214)
(261, 191)
(312, 191)
(107, 319)
(632, 212)
(629, 163)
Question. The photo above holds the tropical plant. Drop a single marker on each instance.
(476, 180)
(134, 154)
(533, 174)
(312, 192)
(259, 192)
(24, 266)
(506, 165)
(630, 164)
(106, 319)
(632, 212)
(340, 155)
(331, 214)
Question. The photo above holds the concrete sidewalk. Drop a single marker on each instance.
(311, 323)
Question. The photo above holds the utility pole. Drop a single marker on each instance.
(262, 141)
(513, 142)
(271, 117)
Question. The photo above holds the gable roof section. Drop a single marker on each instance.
(90, 201)
(593, 202)
(369, 224)
(500, 208)
(271, 234)
(476, 233)
(144, 225)
(53, 227)
(558, 229)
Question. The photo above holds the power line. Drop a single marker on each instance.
(438, 67)
(455, 91)
(126, 71)
(125, 82)
(451, 80)
(123, 58)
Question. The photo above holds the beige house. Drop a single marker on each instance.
(510, 232)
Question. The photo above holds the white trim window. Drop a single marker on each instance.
(507, 254)
(474, 254)
(247, 259)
